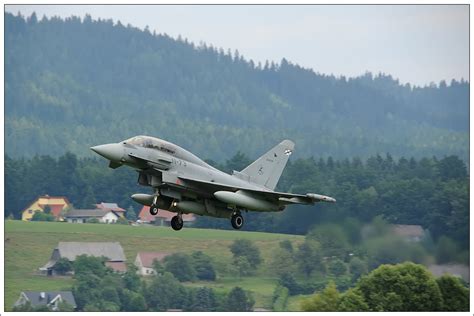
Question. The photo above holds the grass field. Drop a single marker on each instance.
(28, 246)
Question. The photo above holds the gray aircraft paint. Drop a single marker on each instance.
(183, 183)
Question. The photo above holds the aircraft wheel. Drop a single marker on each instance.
(153, 210)
(237, 221)
(177, 222)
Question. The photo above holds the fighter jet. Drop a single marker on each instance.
(182, 183)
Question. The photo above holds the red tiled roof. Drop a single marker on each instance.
(55, 208)
(117, 266)
(147, 258)
(163, 214)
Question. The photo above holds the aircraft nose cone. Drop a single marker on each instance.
(113, 152)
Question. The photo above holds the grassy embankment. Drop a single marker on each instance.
(29, 245)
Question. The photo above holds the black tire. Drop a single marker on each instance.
(177, 223)
(237, 221)
(153, 210)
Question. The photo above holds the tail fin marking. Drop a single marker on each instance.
(267, 169)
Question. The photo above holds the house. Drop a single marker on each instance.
(144, 261)
(82, 216)
(111, 207)
(56, 205)
(457, 270)
(413, 233)
(163, 218)
(50, 299)
(113, 251)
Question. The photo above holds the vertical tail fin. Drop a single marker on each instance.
(267, 169)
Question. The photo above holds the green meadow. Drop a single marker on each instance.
(28, 246)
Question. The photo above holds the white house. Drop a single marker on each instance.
(81, 216)
(144, 261)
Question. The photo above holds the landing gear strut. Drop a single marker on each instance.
(153, 207)
(177, 222)
(237, 220)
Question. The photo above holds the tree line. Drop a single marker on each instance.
(370, 278)
(430, 192)
(406, 287)
(68, 81)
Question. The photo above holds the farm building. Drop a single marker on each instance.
(144, 261)
(457, 270)
(56, 204)
(82, 216)
(163, 218)
(70, 250)
(50, 299)
(413, 233)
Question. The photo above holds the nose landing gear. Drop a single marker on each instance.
(153, 206)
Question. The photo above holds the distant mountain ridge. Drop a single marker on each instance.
(74, 83)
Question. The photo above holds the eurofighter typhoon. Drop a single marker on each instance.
(183, 183)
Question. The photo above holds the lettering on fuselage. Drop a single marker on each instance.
(179, 162)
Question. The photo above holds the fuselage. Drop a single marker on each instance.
(140, 152)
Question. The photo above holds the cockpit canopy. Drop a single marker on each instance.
(151, 142)
(164, 146)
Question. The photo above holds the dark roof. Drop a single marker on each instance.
(112, 250)
(36, 300)
(87, 213)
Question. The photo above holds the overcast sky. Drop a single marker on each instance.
(416, 44)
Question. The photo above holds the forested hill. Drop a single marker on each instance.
(74, 83)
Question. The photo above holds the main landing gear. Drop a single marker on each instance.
(237, 220)
(177, 222)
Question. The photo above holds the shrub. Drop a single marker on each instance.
(181, 266)
(63, 265)
(455, 295)
(239, 300)
(401, 287)
(245, 248)
(42, 217)
(122, 221)
(203, 265)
